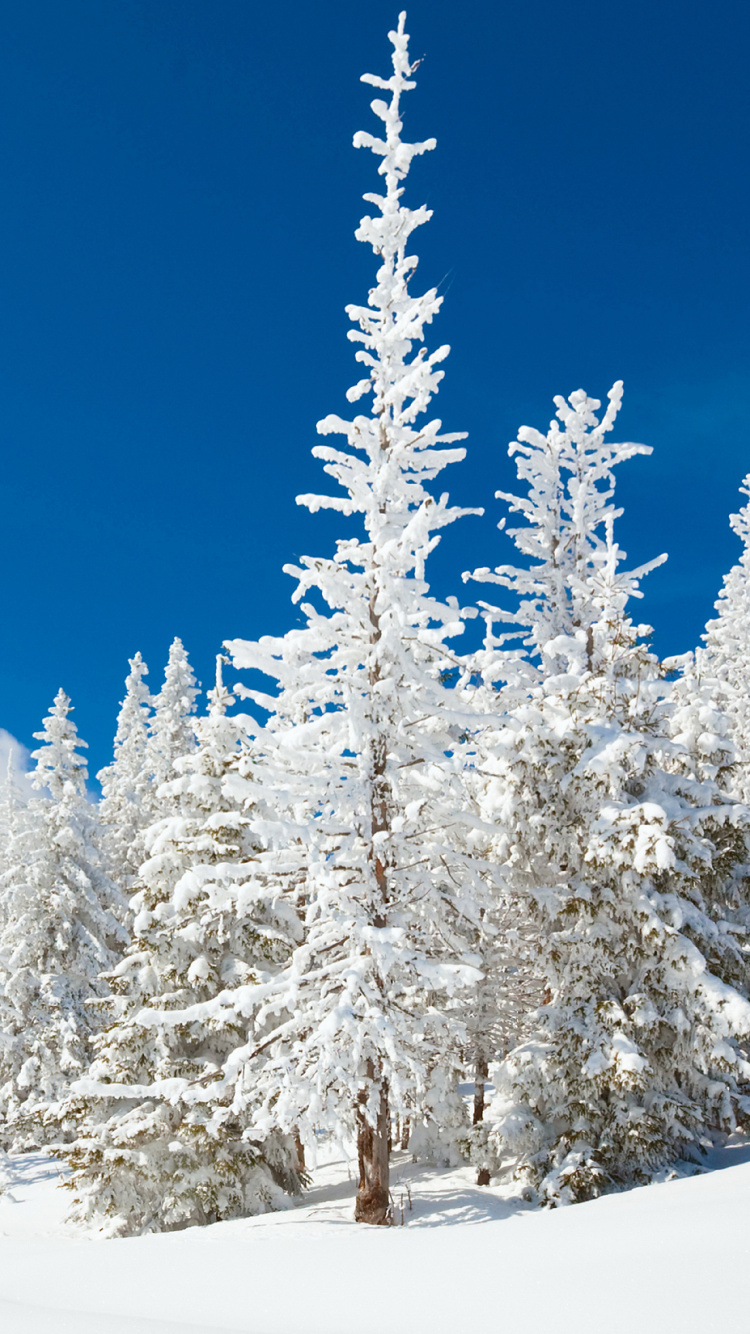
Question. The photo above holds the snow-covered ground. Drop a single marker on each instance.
(671, 1258)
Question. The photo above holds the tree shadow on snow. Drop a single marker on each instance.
(28, 1169)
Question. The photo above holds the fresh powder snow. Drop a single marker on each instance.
(649, 1259)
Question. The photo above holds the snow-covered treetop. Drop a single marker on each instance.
(391, 321)
(131, 736)
(135, 706)
(389, 485)
(740, 523)
(714, 687)
(727, 637)
(172, 730)
(401, 382)
(179, 691)
(59, 768)
(219, 697)
(12, 794)
(573, 580)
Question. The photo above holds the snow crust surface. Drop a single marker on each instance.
(662, 1258)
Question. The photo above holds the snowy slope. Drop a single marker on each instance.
(666, 1258)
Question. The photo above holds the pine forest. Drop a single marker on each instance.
(464, 878)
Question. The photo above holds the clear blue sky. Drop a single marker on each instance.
(179, 195)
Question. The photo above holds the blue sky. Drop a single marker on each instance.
(179, 195)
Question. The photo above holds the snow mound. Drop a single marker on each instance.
(654, 1259)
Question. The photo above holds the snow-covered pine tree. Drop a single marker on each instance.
(716, 682)
(172, 731)
(9, 796)
(636, 1055)
(126, 807)
(710, 720)
(60, 931)
(705, 754)
(155, 1150)
(12, 802)
(496, 1012)
(364, 744)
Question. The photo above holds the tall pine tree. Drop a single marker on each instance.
(127, 804)
(364, 745)
(636, 1055)
(60, 932)
(172, 732)
(716, 680)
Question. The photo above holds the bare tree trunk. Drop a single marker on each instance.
(300, 1150)
(380, 816)
(373, 1203)
(373, 1194)
(379, 792)
(481, 1070)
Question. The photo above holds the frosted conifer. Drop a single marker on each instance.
(710, 718)
(635, 1056)
(11, 796)
(156, 1149)
(496, 1011)
(127, 804)
(12, 804)
(60, 932)
(716, 682)
(172, 733)
(364, 746)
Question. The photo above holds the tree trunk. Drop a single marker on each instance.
(373, 1204)
(481, 1070)
(379, 790)
(300, 1150)
(373, 1194)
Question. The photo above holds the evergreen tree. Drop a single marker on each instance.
(156, 1149)
(10, 797)
(364, 746)
(709, 721)
(59, 932)
(636, 1054)
(172, 728)
(127, 801)
(12, 804)
(715, 691)
(496, 1012)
